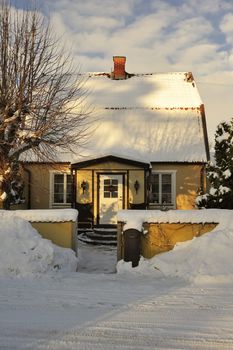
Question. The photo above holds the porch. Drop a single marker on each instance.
(105, 185)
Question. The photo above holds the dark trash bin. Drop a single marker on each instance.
(132, 246)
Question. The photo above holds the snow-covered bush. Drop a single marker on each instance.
(220, 174)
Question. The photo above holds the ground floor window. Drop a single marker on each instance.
(61, 188)
(162, 189)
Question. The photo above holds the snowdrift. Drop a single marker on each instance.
(204, 259)
(23, 251)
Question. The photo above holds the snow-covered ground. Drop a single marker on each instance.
(144, 308)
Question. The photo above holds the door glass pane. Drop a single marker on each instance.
(166, 188)
(114, 188)
(110, 188)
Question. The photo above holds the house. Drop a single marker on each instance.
(149, 149)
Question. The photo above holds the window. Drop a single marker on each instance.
(61, 188)
(162, 189)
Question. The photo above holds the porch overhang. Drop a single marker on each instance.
(109, 158)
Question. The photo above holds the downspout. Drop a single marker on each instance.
(203, 170)
(74, 180)
(203, 118)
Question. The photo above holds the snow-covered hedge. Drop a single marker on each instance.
(136, 218)
(45, 215)
(206, 258)
(23, 251)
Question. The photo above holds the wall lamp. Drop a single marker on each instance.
(84, 186)
(136, 186)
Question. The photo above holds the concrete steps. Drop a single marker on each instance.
(102, 235)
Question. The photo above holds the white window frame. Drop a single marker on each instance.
(173, 190)
(52, 204)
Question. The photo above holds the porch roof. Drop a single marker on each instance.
(109, 158)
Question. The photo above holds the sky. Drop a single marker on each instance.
(155, 36)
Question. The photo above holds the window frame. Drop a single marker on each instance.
(173, 188)
(53, 204)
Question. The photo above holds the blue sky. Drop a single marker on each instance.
(155, 36)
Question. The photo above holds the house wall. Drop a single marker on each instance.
(40, 183)
(188, 182)
(37, 179)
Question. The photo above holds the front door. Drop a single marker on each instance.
(110, 197)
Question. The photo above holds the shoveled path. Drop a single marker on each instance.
(92, 310)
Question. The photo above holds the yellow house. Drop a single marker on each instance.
(148, 149)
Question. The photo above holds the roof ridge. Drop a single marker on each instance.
(92, 74)
(154, 108)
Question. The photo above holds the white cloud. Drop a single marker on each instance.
(226, 27)
(207, 6)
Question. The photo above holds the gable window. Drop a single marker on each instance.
(162, 190)
(61, 189)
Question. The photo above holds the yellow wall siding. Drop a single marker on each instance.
(106, 166)
(139, 197)
(86, 197)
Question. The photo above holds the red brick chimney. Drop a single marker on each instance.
(119, 67)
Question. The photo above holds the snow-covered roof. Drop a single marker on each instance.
(151, 117)
(150, 135)
(148, 117)
(162, 90)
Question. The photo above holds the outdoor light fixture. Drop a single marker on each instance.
(136, 186)
(84, 185)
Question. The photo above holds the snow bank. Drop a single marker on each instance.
(204, 259)
(23, 251)
(45, 215)
(135, 218)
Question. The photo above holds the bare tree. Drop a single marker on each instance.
(42, 103)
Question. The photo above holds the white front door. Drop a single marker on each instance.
(110, 197)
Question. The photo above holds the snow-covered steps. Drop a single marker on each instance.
(104, 235)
